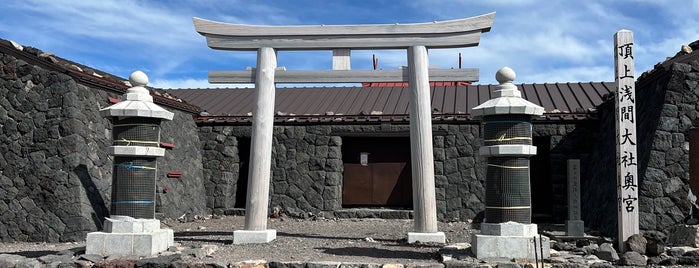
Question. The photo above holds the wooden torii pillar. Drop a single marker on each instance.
(415, 38)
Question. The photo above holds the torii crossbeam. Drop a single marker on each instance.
(415, 38)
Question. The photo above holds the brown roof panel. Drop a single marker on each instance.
(449, 100)
(393, 98)
(483, 95)
(578, 100)
(461, 100)
(438, 99)
(285, 100)
(381, 100)
(403, 101)
(328, 101)
(369, 104)
(558, 102)
(356, 104)
(529, 93)
(545, 97)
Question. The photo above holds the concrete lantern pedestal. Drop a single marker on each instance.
(132, 229)
(507, 231)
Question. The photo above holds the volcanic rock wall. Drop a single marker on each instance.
(666, 103)
(55, 174)
(307, 166)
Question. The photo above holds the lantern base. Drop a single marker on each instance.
(510, 240)
(127, 236)
(437, 237)
(254, 237)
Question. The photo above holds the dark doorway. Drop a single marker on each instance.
(541, 187)
(242, 184)
(380, 178)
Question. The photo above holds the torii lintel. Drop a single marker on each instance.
(439, 34)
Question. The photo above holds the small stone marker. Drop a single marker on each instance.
(574, 225)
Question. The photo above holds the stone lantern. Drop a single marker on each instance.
(507, 145)
(135, 146)
(132, 229)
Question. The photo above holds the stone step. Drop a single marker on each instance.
(349, 213)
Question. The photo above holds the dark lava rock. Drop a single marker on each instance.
(637, 243)
(633, 258)
(607, 252)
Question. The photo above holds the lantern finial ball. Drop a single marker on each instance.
(505, 75)
(138, 78)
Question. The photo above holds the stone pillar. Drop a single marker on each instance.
(424, 200)
(131, 230)
(575, 226)
(507, 130)
(257, 203)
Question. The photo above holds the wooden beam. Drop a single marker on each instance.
(422, 162)
(261, 143)
(444, 34)
(342, 76)
(626, 138)
(341, 59)
(480, 23)
(328, 42)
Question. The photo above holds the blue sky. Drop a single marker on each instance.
(543, 41)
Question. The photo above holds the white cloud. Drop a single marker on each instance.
(117, 21)
(542, 40)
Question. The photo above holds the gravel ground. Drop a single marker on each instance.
(341, 240)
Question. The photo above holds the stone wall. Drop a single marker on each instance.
(567, 140)
(668, 109)
(598, 202)
(666, 103)
(307, 166)
(55, 174)
(221, 166)
(184, 195)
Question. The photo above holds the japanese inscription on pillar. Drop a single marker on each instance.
(626, 136)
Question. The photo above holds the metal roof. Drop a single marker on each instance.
(349, 104)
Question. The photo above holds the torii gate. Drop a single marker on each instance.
(416, 38)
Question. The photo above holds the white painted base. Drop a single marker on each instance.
(493, 246)
(437, 237)
(509, 228)
(509, 240)
(575, 228)
(135, 244)
(126, 224)
(254, 237)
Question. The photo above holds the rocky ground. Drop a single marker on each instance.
(344, 243)
(340, 240)
(343, 240)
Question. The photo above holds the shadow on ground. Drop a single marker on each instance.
(379, 253)
(317, 236)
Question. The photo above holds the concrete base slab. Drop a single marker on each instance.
(575, 228)
(437, 237)
(509, 228)
(135, 244)
(125, 224)
(254, 237)
(521, 247)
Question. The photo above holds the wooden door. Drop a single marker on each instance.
(384, 180)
